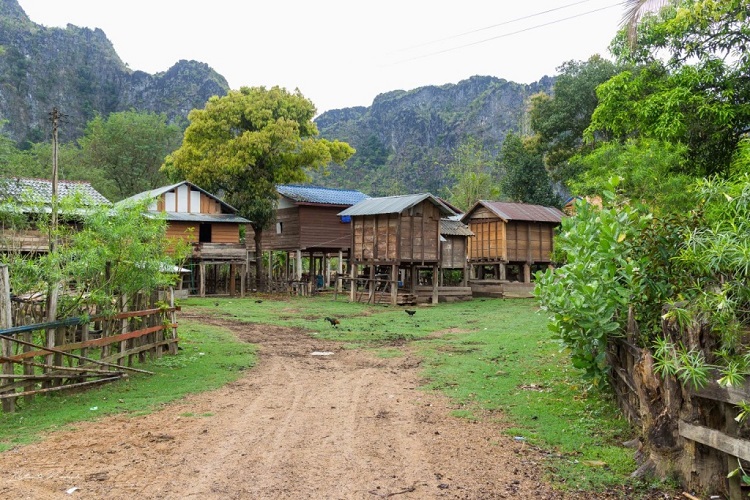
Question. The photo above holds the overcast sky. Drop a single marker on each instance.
(344, 53)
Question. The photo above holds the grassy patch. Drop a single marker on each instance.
(210, 357)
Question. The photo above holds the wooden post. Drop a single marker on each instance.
(298, 263)
(243, 278)
(353, 284)
(9, 405)
(327, 268)
(371, 284)
(173, 314)
(394, 284)
(270, 267)
(502, 275)
(202, 271)
(340, 272)
(434, 283)
(731, 427)
(527, 273)
(232, 280)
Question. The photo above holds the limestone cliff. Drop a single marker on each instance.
(406, 138)
(78, 71)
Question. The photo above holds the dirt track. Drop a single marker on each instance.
(297, 426)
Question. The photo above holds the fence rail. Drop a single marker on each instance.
(82, 351)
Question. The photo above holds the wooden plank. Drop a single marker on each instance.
(93, 342)
(63, 387)
(715, 439)
(731, 394)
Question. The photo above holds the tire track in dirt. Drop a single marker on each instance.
(348, 426)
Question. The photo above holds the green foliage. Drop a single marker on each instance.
(588, 297)
(650, 171)
(128, 148)
(525, 180)
(560, 119)
(113, 251)
(699, 96)
(473, 176)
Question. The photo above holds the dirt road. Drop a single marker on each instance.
(348, 425)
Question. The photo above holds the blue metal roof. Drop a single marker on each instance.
(321, 195)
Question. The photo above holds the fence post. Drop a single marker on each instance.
(9, 405)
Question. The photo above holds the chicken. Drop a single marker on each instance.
(333, 321)
(410, 312)
(258, 301)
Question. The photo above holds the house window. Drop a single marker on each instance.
(204, 233)
(278, 227)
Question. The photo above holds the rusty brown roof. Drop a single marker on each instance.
(520, 211)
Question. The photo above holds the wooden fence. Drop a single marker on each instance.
(686, 431)
(76, 352)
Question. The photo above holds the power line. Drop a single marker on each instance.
(530, 28)
(477, 30)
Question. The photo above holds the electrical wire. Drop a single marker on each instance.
(504, 35)
(478, 30)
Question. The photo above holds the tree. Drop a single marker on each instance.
(473, 175)
(525, 180)
(559, 120)
(245, 143)
(688, 83)
(129, 148)
(649, 172)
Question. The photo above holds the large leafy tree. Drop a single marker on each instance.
(245, 143)
(689, 84)
(129, 148)
(474, 175)
(560, 119)
(525, 180)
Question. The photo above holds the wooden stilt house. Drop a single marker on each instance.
(510, 240)
(392, 238)
(308, 225)
(26, 199)
(212, 226)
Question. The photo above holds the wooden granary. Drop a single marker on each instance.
(391, 239)
(510, 239)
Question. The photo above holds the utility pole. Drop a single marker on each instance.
(53, 285)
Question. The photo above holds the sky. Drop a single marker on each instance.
(343, 53)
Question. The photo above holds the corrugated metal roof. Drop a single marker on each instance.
(520, 211)
(188, 217)
(155, 193)
(321, 195)
(394, 204)
(24, 189)
(451, 227)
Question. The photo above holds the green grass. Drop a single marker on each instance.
(210, 357)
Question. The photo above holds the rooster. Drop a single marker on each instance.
(333, 321)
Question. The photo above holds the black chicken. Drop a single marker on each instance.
(410, 312)
(333, 321)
